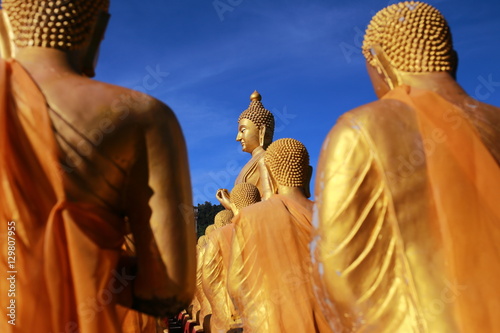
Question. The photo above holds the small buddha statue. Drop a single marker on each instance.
(215, 273)
(223, 218)
(243, 195)
(255, 133)
(202, 307)
(407, 213)
(269, 276)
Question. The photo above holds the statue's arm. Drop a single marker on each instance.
(160, 211)
(358, 254)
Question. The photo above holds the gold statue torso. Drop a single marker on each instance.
(387, 256)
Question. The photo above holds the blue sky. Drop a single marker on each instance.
(302, 56)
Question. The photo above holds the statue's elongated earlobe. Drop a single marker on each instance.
(383, 65)
(262, 135)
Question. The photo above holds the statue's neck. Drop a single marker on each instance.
(441, 83)
(46, 61)
(257, 151)
(296, 193)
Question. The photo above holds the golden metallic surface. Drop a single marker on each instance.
(288, 161)
(258, 114)
(404, 195)
(135, 173)
(255, 133)
(414, 36)
(244, 194)
(270, 287)
(215, 267)
(64, 25)
(201, 307)
(222, 218)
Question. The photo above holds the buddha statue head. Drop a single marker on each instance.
(243, 195)
(202, 241)
(288, 163)
(209, 229)
(255, 125)
(73, 26)
(407, 38)
(223, 218)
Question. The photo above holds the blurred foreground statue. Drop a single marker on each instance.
(255, 133)
(269, 274)
(78, 159)
(407, 191)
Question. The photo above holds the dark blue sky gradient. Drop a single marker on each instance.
(303, 56)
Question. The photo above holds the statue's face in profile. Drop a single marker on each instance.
(248, 135)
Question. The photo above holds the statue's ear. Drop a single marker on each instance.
(384, 67)
(7, 46)
(307, 182)
(90, 57)
(262, 135)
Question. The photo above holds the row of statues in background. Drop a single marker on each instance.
(253, 262)
(404, 235)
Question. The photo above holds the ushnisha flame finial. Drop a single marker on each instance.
(255, 96)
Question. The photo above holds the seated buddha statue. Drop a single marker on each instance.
(255, 133)
(79, 158)
(407, 236)
(215, 273)
(269, 275)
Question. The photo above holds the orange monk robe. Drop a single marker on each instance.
(215, 266)
(269, 274)
(66, 253)
(136, 321)
(408, 236)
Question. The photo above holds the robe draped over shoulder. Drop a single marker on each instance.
(269, 279)
(66, 253)
(215, 266)
(407, 219)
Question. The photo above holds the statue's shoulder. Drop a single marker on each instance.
(380, 110)
(132, 106)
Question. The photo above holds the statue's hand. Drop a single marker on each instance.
(224, 198)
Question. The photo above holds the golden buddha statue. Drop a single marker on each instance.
(243, 195)
(215, 265)
(255, 133)
(269, 275)
(74, 169)
(201, 306)
(223, 218)
(407, 236)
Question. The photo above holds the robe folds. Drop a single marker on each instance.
(269, 273)
(407, 218)
(63, 263)
(215, 267)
